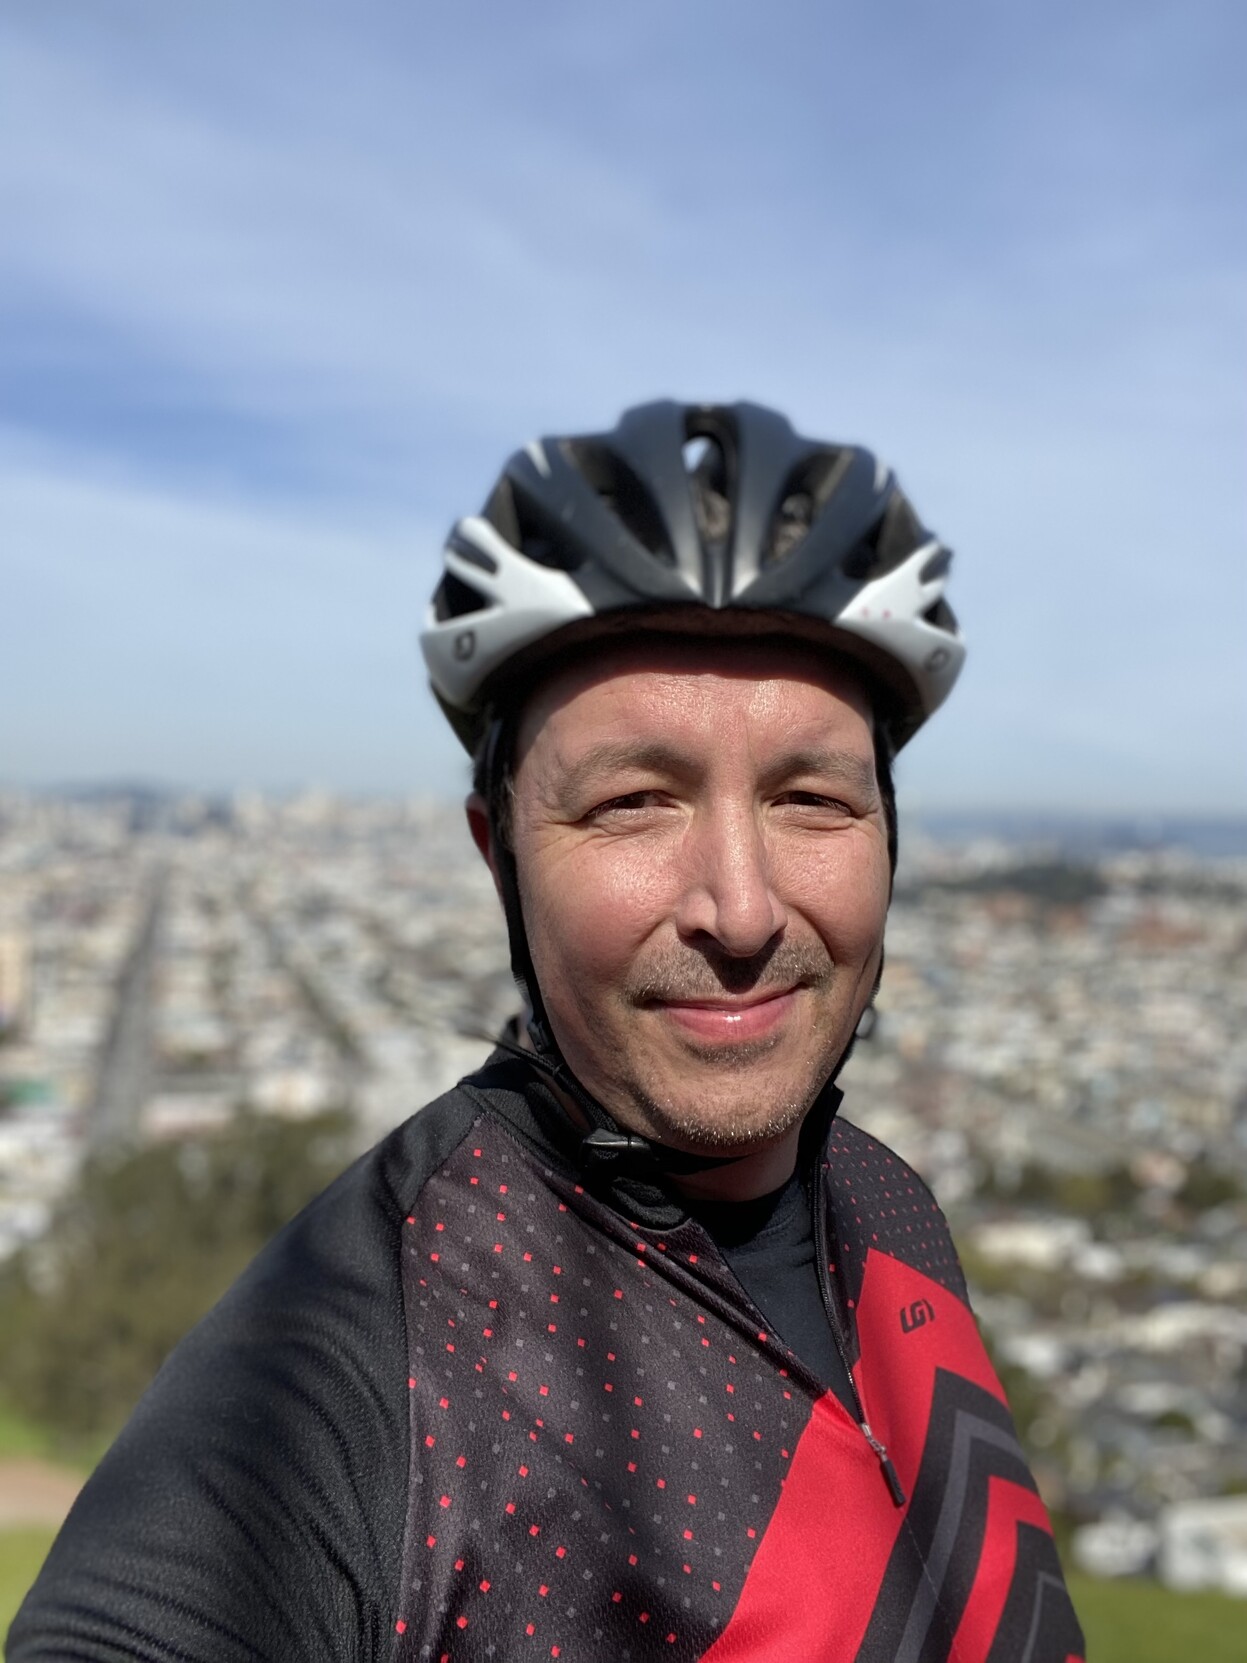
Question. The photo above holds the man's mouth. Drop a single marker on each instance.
(724, 1019)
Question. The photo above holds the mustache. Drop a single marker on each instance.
(682, 973)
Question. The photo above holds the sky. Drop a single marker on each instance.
(282, 285)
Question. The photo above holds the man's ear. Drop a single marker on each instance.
(478, 824)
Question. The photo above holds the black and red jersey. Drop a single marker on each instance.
(469, 1406)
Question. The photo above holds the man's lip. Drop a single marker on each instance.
(728, 1021)
(725, 1002)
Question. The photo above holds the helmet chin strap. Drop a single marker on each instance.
(606, 1147)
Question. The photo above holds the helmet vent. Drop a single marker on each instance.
(531, 533)
(937, 566)
(543, 552)
(623, 495)
(805, 491)
(940, 615)
(467, 550)
(707, 481)
(789, 527)
(456, 599)
(893, 537)
(693, 451)
(860, 562)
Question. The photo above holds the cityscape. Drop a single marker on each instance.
(1061, 1051)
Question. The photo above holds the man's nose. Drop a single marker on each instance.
(728, 893)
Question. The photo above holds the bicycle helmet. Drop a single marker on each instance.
(682, 512)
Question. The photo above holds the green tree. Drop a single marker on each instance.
(1206, 1187)
(139, 1251)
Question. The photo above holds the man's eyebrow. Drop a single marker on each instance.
(612, 754)
(849, 766)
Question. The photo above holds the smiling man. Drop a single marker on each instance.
(628, 1347)
(703, 853)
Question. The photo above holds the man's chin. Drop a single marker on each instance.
(733, 1057)
(726, 1121)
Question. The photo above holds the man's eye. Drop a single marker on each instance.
(814, 799)
(630, 800)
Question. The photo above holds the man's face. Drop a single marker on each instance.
(703, 867)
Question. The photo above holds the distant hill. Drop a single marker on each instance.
(1085, 837)
(1057, 835)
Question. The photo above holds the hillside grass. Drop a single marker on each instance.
(21, 1554)
(23, 1549)
(21, 1438)
(1140, 1622)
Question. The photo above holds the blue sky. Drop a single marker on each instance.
(282, 284)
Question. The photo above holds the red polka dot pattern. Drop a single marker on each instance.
(601, 1425)
(600, 1432)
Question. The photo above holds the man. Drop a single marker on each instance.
(626, 1347)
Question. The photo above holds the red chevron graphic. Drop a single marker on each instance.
(836, 1543)
(1008, 1505)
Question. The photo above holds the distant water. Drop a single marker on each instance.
(1212, 838)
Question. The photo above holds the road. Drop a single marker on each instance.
(123, 1083)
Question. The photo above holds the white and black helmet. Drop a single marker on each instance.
(686, 506)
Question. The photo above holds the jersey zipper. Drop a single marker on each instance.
(838, 1325)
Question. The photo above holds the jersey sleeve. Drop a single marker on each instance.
(253, 1506)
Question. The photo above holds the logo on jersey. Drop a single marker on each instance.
(915, 1315)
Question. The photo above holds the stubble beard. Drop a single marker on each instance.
(719, 1123)
(723, 1110)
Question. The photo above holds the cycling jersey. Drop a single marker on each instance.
(769, 1248)
(471, 1405)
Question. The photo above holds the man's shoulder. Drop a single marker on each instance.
(380, 1187)
(849, 1145)
(359, 1214)
(344, 1242)
(396, 1169)
(284, 1408)
(880, 1203)
(322, 1301)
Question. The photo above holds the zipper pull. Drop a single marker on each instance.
(890, 1474)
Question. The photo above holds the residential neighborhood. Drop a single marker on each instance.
(1061, 1051)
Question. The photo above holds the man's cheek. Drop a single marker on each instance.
(623, 882)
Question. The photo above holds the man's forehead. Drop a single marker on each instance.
(670, 661)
